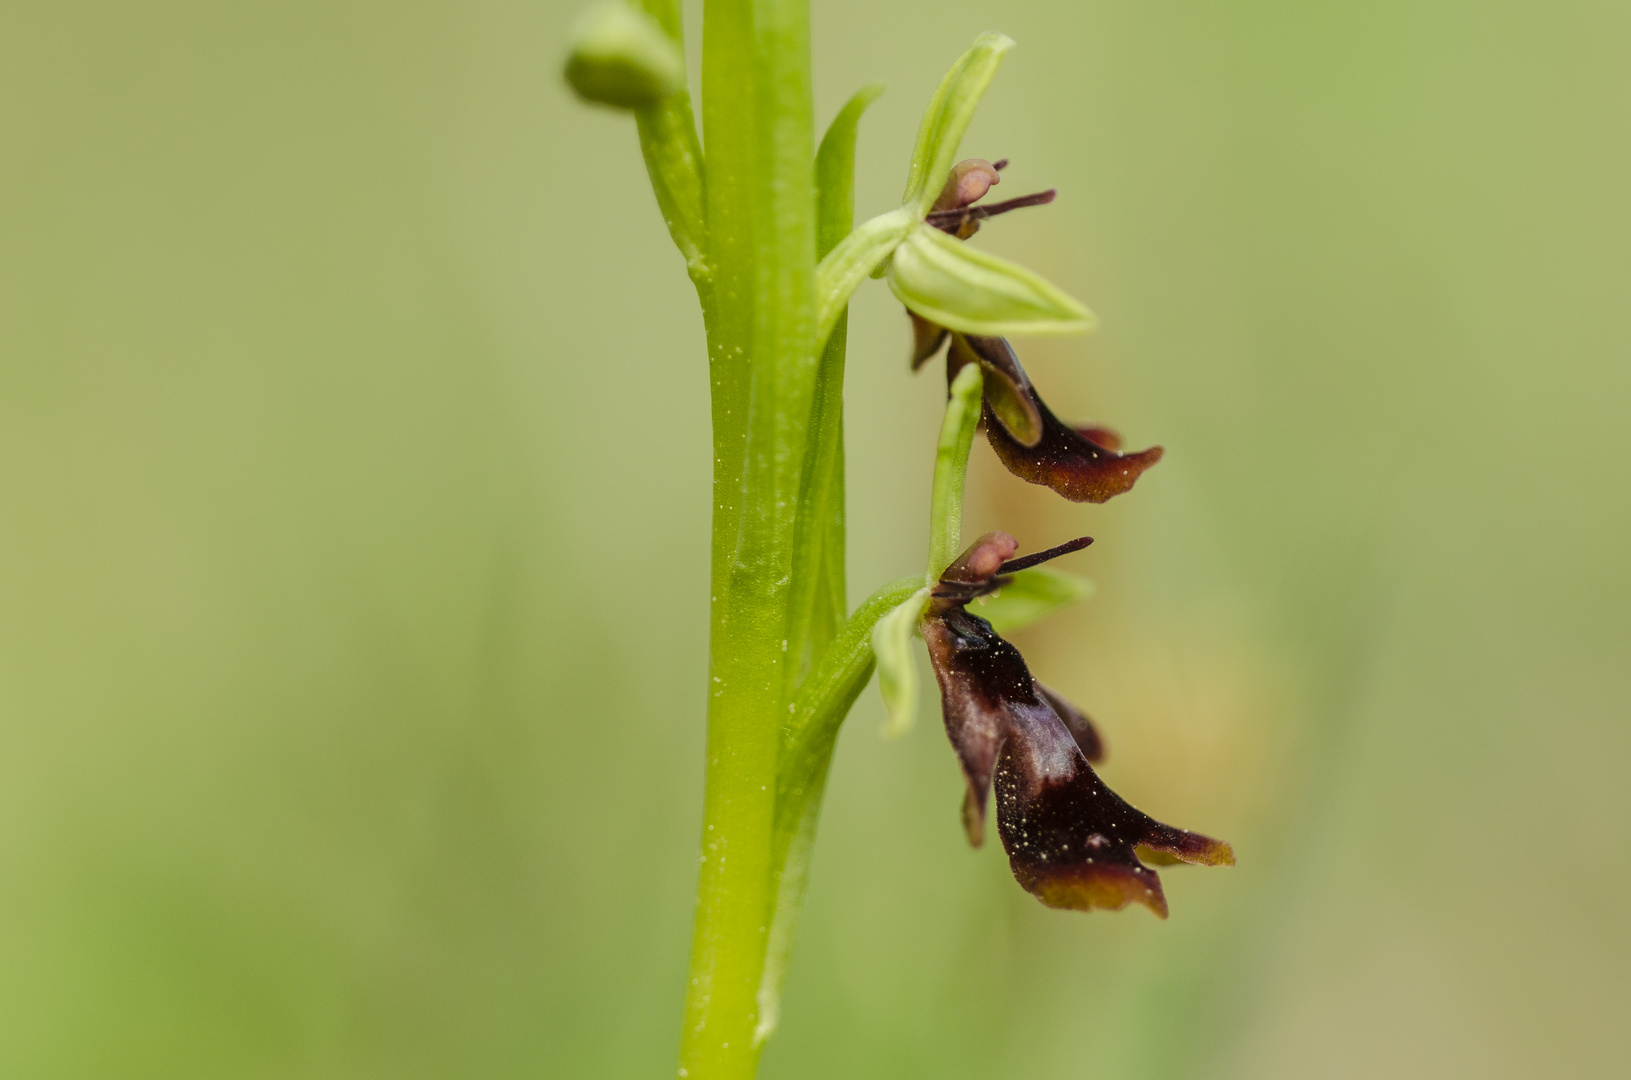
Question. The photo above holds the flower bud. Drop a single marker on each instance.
(622, 58)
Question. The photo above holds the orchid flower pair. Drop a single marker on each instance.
(1070, 840)
(768, 237)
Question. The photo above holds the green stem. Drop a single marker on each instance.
(668, 142)
(760, 209)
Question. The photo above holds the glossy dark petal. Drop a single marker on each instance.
(1081, 729)
(1008, 392)
(1037, 558)
(965, 222)
(1071, 841)
(1063, 460)
(927, 337)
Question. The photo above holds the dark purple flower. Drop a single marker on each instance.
(1071, 841)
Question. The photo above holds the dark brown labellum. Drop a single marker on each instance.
(1036, 445)
(1071, 841)
(1075, 467)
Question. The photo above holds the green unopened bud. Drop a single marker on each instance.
(622, 58)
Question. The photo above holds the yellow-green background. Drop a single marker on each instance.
(353, 526)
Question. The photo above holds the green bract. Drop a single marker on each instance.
(621, 57)
(897, 671)
(965, 289)
(1030, 595)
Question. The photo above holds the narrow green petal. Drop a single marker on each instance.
(969, 290)
(947, 118)
(1032, 594)
(897, 670)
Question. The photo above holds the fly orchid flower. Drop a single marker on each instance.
(1071, 841)
(1081, 463)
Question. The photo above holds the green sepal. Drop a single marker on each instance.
(947, 118)
(897, 670)
(1031, 595)
(961, 287)
(622, 57)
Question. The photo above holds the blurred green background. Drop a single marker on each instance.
(353, 529)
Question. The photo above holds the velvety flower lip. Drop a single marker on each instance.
(1051, 453)
(1070, 840)
(1070, 461)
(927, 337)
(1088, 739)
